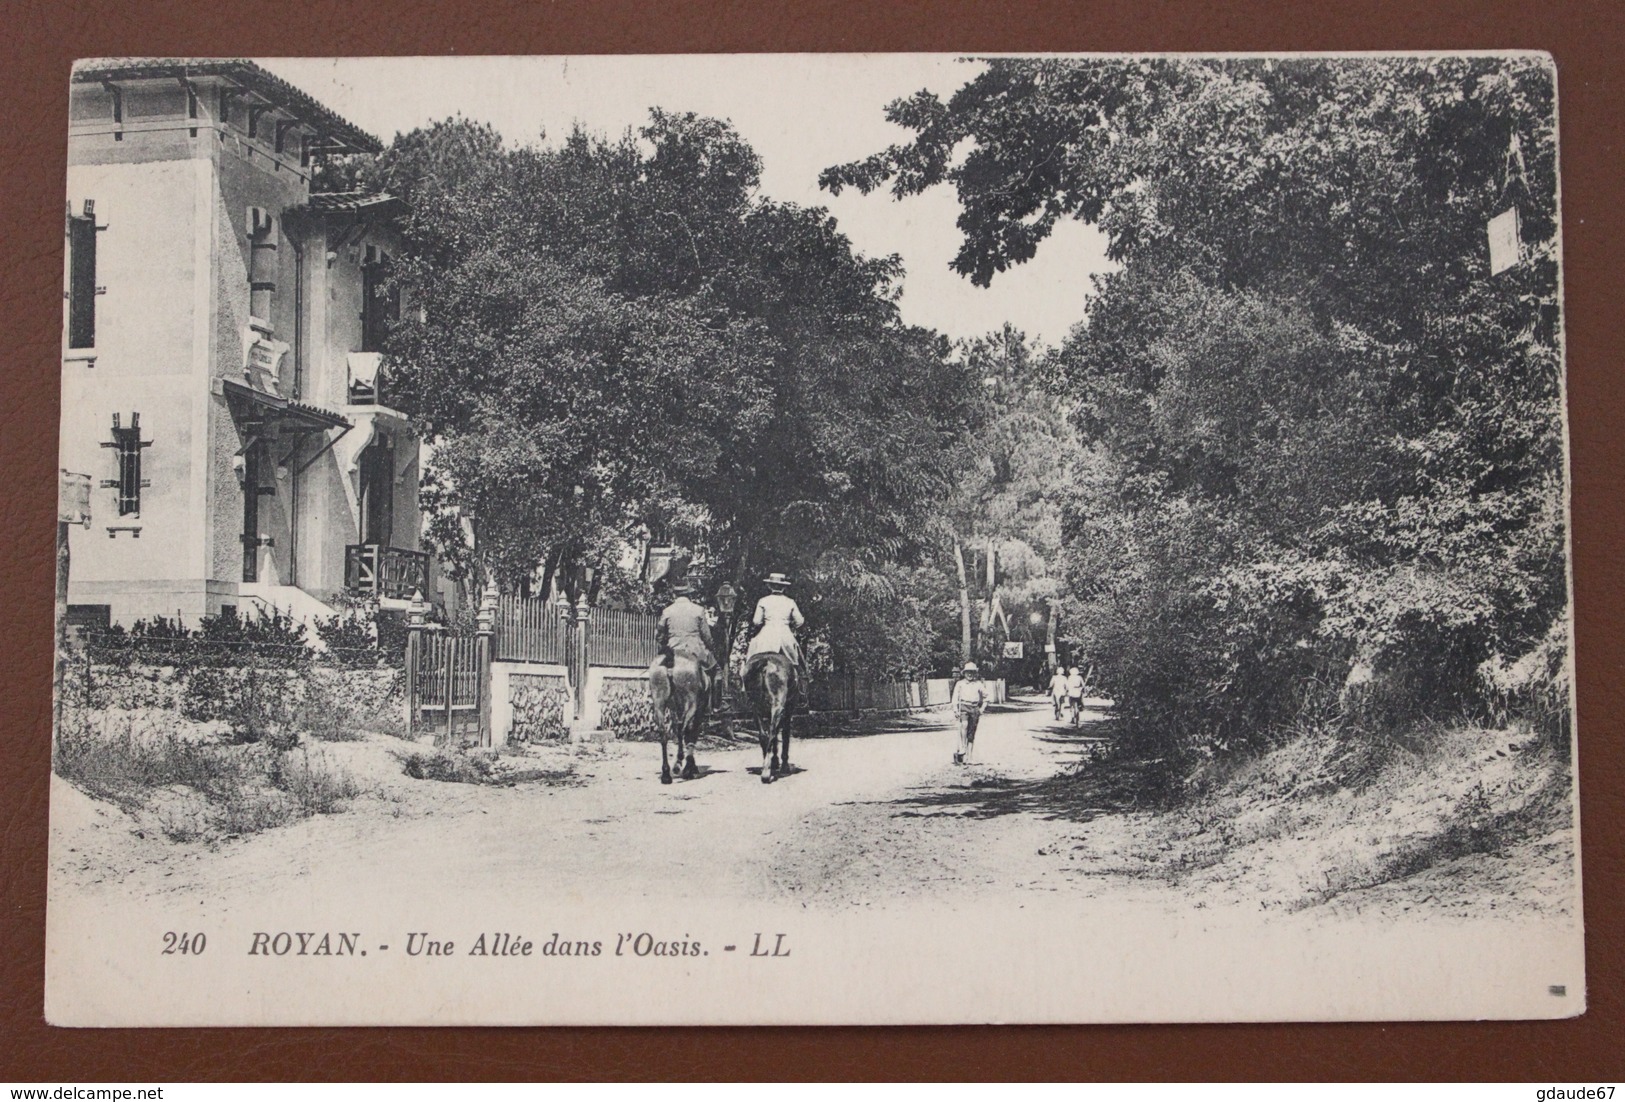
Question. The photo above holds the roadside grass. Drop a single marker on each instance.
(1325, 816)
(1461, 817)
(192, 784)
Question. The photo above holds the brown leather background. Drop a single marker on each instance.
(41, 38)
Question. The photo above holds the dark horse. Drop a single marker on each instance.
(679, 699)
(767, 682)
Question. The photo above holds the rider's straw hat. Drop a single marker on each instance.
(776, 579)
(972, 667)
(682, 587)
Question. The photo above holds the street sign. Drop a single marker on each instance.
(1015, 649)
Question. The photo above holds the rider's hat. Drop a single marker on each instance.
(682, 587)
(972, 667)
(776, 580)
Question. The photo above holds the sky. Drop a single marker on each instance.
(800, 112)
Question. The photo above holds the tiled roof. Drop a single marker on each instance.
(242, 71)
(301, 414)
(350, 202)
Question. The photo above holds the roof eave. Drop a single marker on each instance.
(337, 133)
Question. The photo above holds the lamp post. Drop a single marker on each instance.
(727, 599)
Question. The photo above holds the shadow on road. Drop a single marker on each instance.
(863, 726)
(700, 773)
(788, 771)
(1076, 797)
(1089, 733)
(1079, 794)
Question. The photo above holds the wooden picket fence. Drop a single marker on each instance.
(450, 677)
(847, 692)
(617, 638)
(530, 630)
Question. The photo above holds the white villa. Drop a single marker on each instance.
(220, 358)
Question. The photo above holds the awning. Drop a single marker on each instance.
(247, 403)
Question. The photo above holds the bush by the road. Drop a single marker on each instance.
(196, 785)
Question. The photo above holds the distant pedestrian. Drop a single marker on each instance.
(1057, 690)
(969, 700)
(1074, 693)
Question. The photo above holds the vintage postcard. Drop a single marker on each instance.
(813, 539)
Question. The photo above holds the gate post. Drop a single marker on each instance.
(484, 634)
(579, 656)
(448, 651)
(414, 657)
(567, 657)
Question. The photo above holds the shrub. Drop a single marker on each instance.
(197, 788)
(123, 760)
(343, 705)
(324, 713)
(443, 766)
(363, 636)
(316, 785)
(255, 704)
(1534, 687)
(347, 632)
(273, 641)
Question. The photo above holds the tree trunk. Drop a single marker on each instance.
(1050, 652)
(549, 569)
(964, 603)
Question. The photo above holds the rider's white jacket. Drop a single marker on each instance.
(777, 616)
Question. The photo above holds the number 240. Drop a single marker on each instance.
(184, 943)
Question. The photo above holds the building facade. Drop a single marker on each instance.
(221, 380)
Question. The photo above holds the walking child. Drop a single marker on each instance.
(969, 699)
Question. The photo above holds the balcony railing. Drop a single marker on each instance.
(391, 573)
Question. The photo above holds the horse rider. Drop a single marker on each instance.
(969, 701)
(685, 628)
(776, 618)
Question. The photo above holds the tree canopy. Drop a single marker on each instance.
(617, 340)
(1318, 433)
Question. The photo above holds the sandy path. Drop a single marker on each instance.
(860, 820)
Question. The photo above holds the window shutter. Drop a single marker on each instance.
(82, 281)
(127, 445)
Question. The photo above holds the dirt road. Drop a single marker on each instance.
(861, 819)
(864, 820)
(874, 858)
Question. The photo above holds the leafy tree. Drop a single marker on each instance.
(1319, 434)
(620, 338)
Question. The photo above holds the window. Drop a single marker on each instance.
(127, 445)
(82, 278)
(380, 308)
